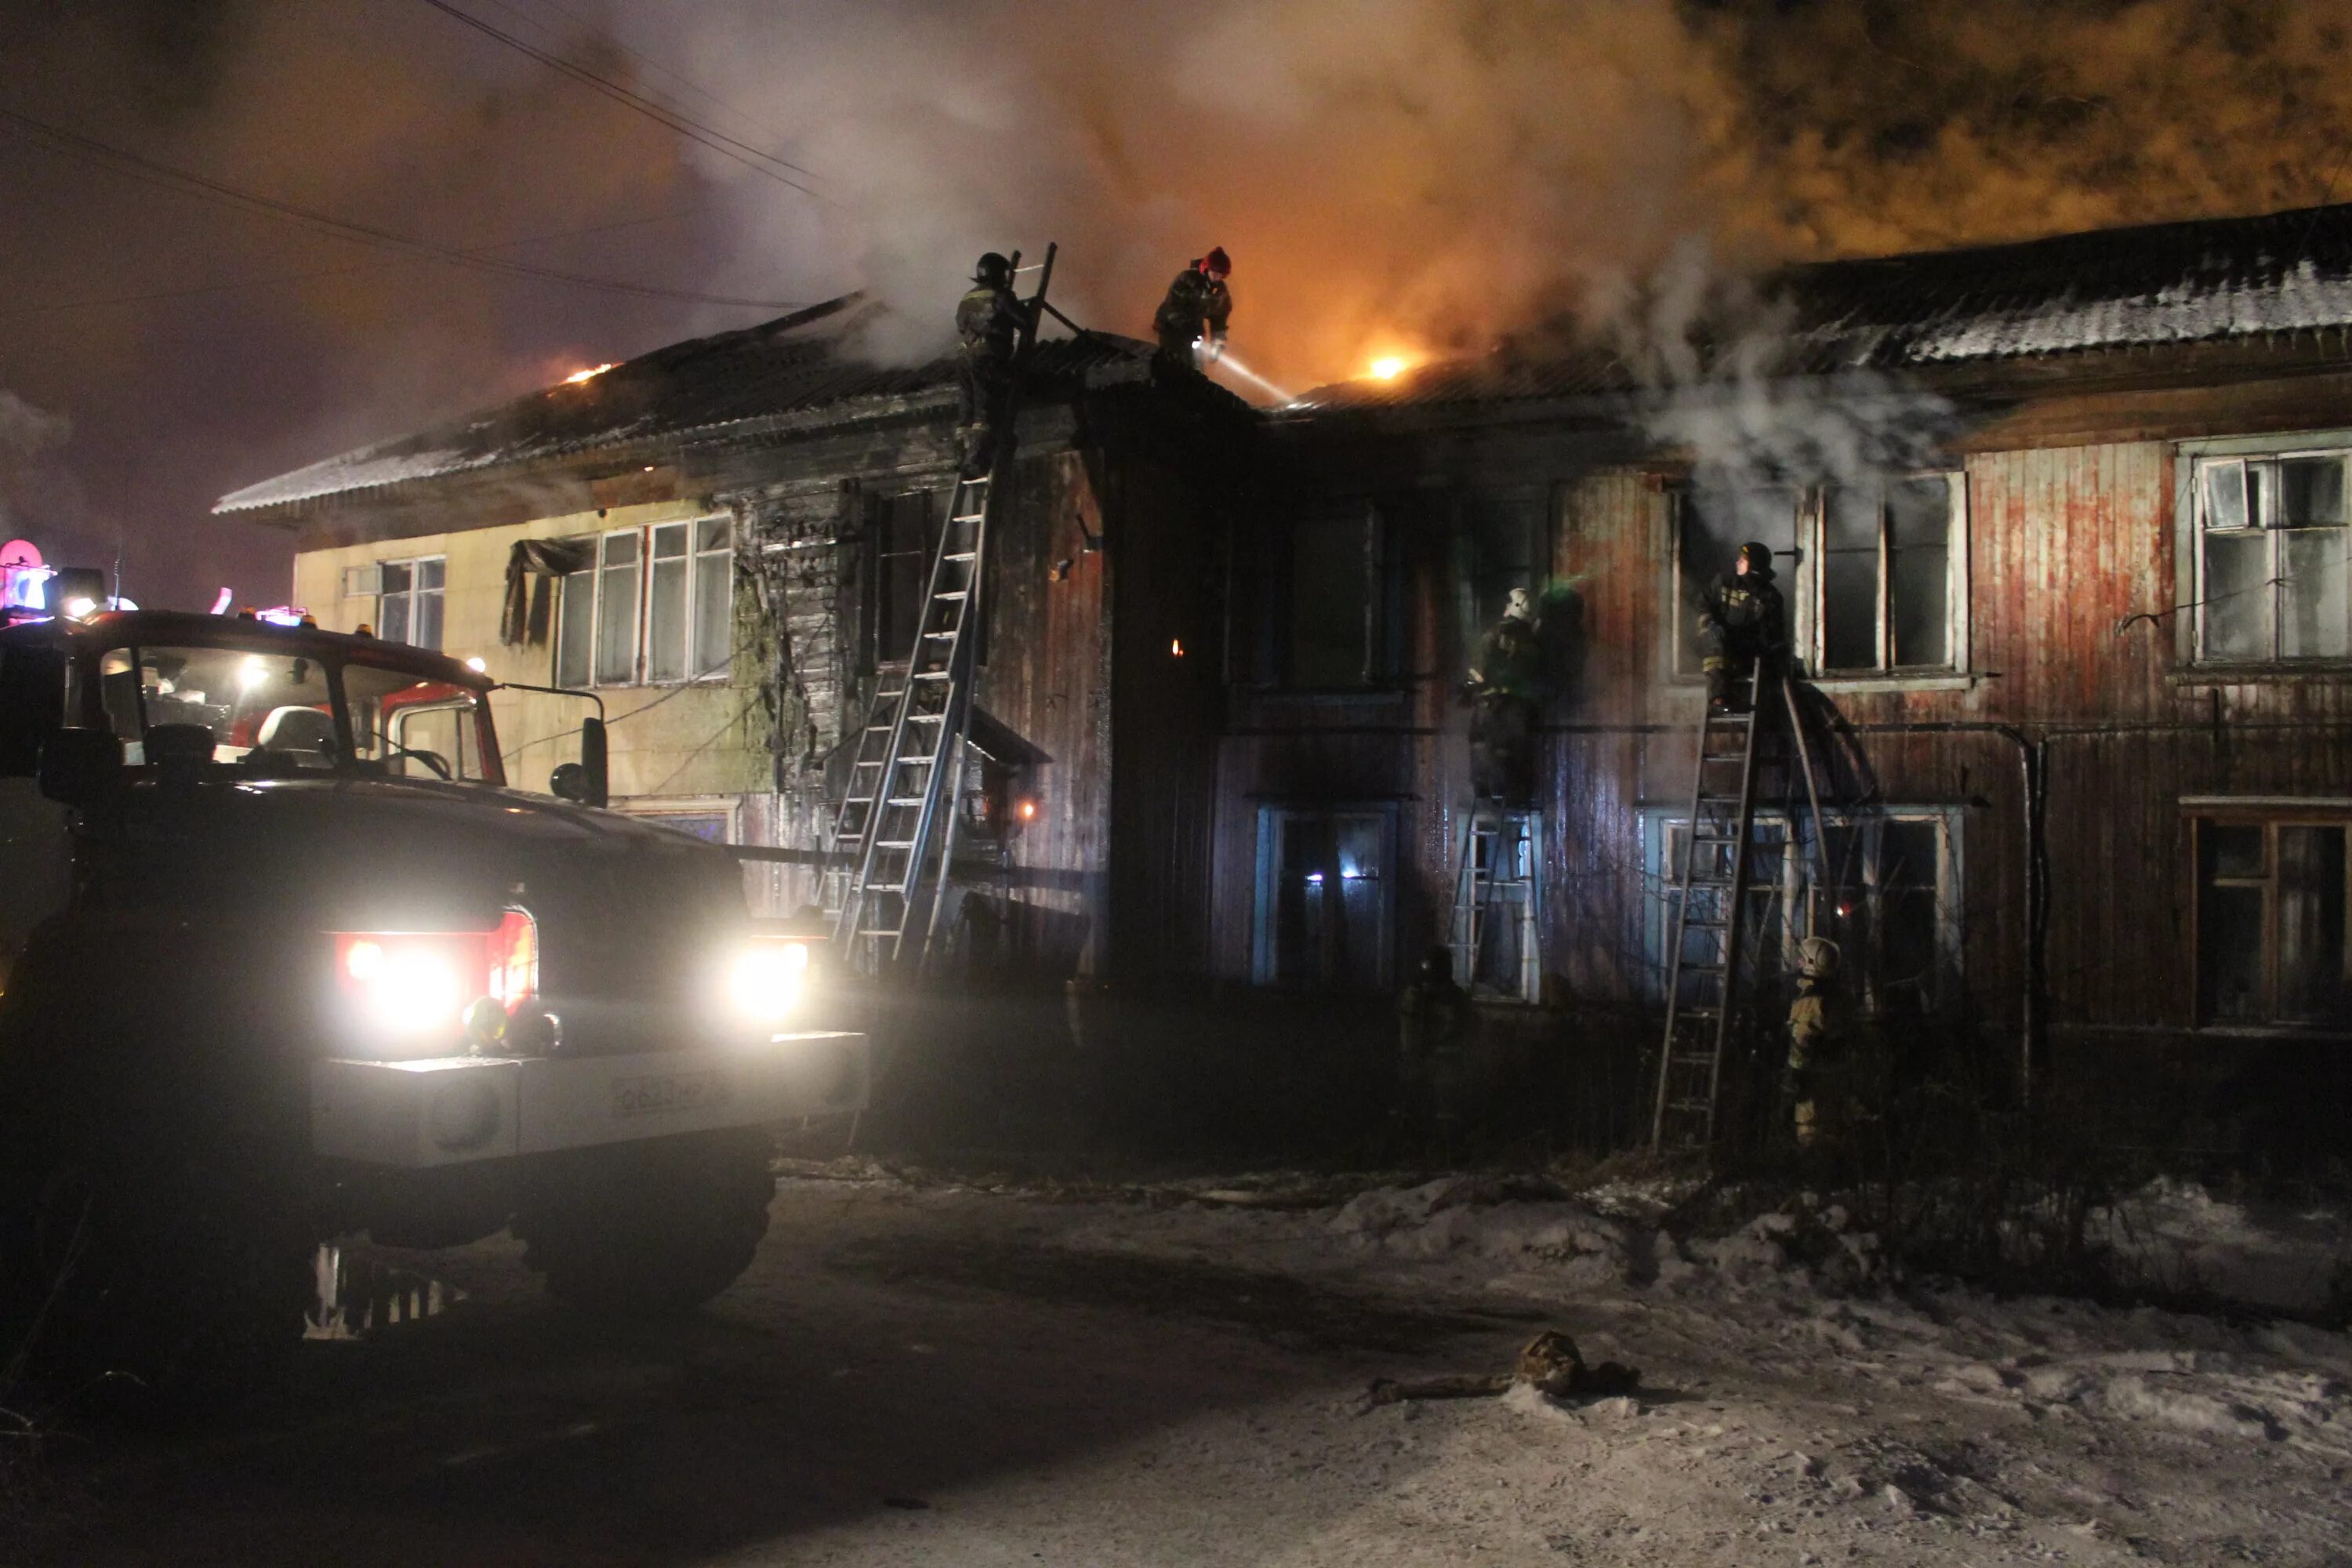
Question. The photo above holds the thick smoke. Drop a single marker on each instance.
(1391, 176)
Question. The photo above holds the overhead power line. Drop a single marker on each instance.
(73, 143)
(592, 30)
(194, 290)
(777, 169)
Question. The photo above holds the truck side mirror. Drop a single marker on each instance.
(81, 767)
(597, 787)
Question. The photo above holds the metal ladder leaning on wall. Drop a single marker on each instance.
(1488, 859)
(891, 848)
(1712, 882)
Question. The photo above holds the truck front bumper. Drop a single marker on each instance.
(449, 1110)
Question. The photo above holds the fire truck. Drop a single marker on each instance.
(283, 959)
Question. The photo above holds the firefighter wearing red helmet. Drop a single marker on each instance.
(1196, 309)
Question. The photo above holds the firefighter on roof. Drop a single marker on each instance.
(1196, 309)
(1506, 691)
(988, 326)
(1740, 620)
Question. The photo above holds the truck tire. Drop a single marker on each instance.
(649, 1228)
(182, 1283)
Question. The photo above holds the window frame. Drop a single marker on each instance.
(1798, 885)
(2204, 814)
(641, 651)
(1803, 587)
(1382, 603)
(2190, 503)
(412, 595)
(1272, 816)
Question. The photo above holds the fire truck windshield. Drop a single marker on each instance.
(279, 711)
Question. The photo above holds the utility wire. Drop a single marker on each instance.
(651, 64)
(684, 125)
(133, 165)
(202, 289)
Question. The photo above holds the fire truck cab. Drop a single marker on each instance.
(283, 959)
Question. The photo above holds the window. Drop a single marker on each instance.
(408, 601)
(1338, 623)
(1890, 899)
(415, 729)
(1874, 576)
(903, 533)
(1499, 953)
(2271, 543)
(2270, 930)
(1886, 582)
(1505, 544)
(657, 607)
(1324, 897)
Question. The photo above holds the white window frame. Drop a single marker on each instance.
(1798, 883)
(411, 594)
(2189, 501)
(641, 619)
(1802, 586)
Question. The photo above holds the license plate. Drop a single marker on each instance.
(661, 1094)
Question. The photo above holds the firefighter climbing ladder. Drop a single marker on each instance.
(897, 811)
(1710, 911)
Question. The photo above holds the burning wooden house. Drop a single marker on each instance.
(2063, 529)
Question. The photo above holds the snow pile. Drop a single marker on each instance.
(1573, 1244)
(2176, 1237)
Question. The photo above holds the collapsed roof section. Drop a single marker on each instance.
(797, 372)
(2276, 277)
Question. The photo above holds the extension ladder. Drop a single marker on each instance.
(1709, 922)
(1488, 861)
(894, 830)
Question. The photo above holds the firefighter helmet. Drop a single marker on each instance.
(1216, 264)
(1520, 605)
(1817, 958)
(994, 271)
(1758, 558)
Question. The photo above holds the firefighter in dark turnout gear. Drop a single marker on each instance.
(988, 328)
(1506, 691)
(1196, 309)
(1740, 620)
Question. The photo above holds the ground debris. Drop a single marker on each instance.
(1549, 1363)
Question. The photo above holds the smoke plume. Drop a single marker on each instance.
(1391, 177)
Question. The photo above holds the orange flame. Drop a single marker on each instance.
(577, 376)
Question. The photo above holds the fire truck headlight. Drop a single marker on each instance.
(766, 980)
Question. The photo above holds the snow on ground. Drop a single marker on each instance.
(1781, 1368)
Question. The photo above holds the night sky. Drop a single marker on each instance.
(1410, 176)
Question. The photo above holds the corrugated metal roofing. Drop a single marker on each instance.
(705, 390)
(2199, 281)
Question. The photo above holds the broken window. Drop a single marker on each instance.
(1323, 905)
(2273, 537)
(2270, 930)
(408, 601)
(1884, 583)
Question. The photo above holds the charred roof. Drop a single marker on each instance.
(799, 371)
(2272, 277)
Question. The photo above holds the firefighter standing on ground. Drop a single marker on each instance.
(989, 321)
(1506, 693)
(1740, 620)
(1816, 1085)
(1196, 309)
